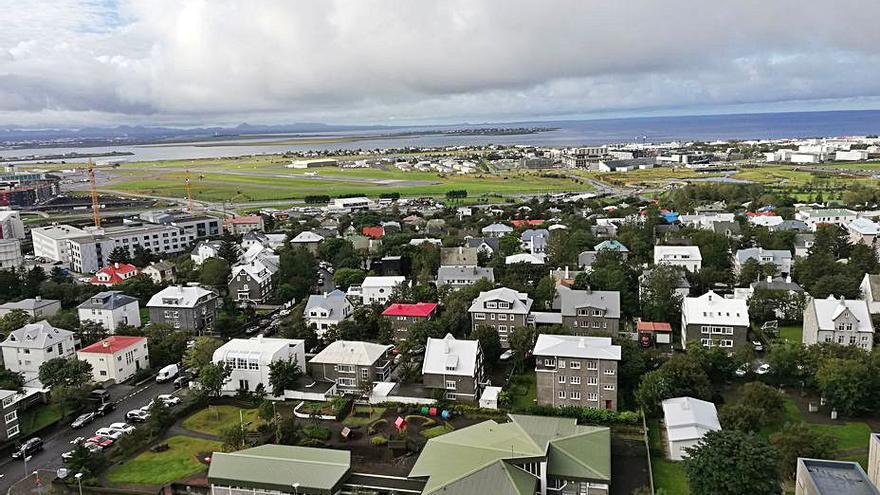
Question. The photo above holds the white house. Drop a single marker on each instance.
(814, 217)
(686, 421)
(532, 259)
(325, 311)
(111, 309)
(871, 292)
(497, 230)
(205, 250)
(844, 321)
(25, 349)
(250, 359)
(454, 366)
(376, 290)
(687, 257)
(116, 358)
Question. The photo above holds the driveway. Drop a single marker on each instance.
(126, 398)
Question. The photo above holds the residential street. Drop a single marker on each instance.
(126, 398)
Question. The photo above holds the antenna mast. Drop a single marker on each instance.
(96, 208)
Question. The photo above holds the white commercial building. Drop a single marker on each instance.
(27, 348)
(51, 242)
(687, 420)
(11, 226)
(250, 359)
(90, 252)
(116, 358)
(10, 254)
(111, 309)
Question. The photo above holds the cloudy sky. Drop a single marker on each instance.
(197, 62)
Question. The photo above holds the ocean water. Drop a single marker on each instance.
(568, 133)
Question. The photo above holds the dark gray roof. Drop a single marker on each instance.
(568, 301)
(796, 225)
(778, 283)
(447, 274)
(476, 242)
(110, 299)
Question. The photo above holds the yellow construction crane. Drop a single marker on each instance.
(96, 208)
(189, 192)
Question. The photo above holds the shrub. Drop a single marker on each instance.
(311, 442)
(317, 432)
(375, 425)
(379, 440)
(603, 417)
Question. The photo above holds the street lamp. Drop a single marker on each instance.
(79, 481)
(37, 482)
(295, 488)
(26, 458)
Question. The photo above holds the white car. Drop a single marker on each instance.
(137, 415)
(109, 432)
(742, 370)
(123, 428)
(507, 355)
(169, 400)
(763, 369)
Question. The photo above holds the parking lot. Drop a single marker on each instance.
(126, 398)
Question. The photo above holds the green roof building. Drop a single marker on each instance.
(528, 455)
(280, 468)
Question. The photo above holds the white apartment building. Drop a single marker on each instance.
(27, 348)
(88, 253)
(11, 226)
(814, 217)
(51, 242)
(687, 257)
(249, 360)
(111, 309)
(10, 253)
(503, 309)
(116, 358)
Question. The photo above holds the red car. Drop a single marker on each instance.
(100, 441)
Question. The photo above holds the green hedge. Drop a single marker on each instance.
(603, 417)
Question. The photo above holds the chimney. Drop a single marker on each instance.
(709, 296)
(460, 249)
(259, 338)
(769, 278)
(39, 298)
(105, 343)
(788, 279)
(566, 272)
(116, 265)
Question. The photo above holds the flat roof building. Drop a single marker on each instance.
(822, 477)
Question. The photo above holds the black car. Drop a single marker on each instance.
(29, 447)
(181, 382)
(105, 408)
(82, 420)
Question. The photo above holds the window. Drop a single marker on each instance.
(562, 394)
(592, 365)
(502, 317)
(706, 342)
(549, 362)
(344, 368)
(592, 397)
(562, 364)
(365, 373)
(574, 395)
(561, 378)
(608, 387)
(450, 384)
(595, 324)
(592, 380)
(103, 372)
(12, 416)
(346, 382)
(575, 380)
(725, 343)
(608, 371)
(575, 365)
(11, 432)
(502, 328)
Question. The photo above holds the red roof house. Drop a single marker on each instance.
(652, 333)
(531, 223)
(114, 274)
(376, 232)
(417, 310)
(116, 358)
(113, 344)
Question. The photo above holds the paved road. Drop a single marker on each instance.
(126, 397)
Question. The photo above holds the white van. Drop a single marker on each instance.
(167, 373)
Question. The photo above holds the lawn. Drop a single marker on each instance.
(39, 417)
(438, 430)
(792, 334)
(215, 419)
(522, 391)
(849, 436)
(668, 475)
(353, 420)
(158, 468)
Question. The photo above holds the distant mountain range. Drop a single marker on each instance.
(144, 133)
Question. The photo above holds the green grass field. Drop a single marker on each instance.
(791, 334)
(214, 419)
(522, 391)
(158, 468)
(669, 476)
(39, 417)
(353, 420)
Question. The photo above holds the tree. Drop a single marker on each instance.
(660, 300)
(140, 286)
(753, 271)
(490, 343)
(142, 257)
(799, 440)
(215, 272)
(346, 277)
(741, 416)
(90, 331)
(283, 375)
(65, 372)
(233, 437)
(13, 320)
(167, 345)
(229, 250)
(11, 380)
(201, 352)
(611, 272)
(766, 398)
(212, 376)
(119, 254)
(730, 462)
(522, 341)
(715, 361)
(680, 376)
(845, 383)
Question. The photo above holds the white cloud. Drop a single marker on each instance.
(69, 62)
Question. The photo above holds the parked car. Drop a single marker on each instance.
(105, 408)
(742, 370)
(29, 447)
(763, 369)
(92, 448)
(167, 373)
(101, 441)
(125, 428)
(168, 399)
(107, 432)
(82, 420)
(100, 395)
(506, 355)
(757, 345)
(137, 415)
(181, 382)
